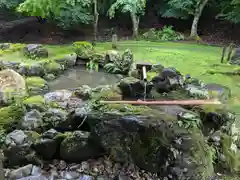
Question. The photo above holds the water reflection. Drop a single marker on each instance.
(76, 77)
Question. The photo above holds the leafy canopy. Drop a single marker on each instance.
(136, 7)
(65, 12)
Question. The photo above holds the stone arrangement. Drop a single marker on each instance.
(69, 134)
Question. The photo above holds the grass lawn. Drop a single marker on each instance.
(196, 60)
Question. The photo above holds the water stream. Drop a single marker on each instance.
(76, 77)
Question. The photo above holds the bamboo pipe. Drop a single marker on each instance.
(170, 102)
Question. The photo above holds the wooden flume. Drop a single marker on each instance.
(164, 102)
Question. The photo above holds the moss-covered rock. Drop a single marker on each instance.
(36, 85)
(35, 51)
(68, 60)
(156, 143)
(77, 147)
(48, 143)
(53, 68)
(83, 49)
(57, 119)
(10, 117)
(35, 102)
(31, 69)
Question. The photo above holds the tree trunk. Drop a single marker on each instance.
(197, 15)
(95, 22)
(135, 21)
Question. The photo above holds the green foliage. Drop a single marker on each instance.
(10, 4)
(83, 49)
(136, 7)
(91, 65)
(65, 13)
(166, 34)
(230, 10)
(112, 68)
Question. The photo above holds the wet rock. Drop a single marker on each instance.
(18, 149)
(33, 69)
(36, 85)
(134, 88)
(55, 118)
(35, 51)
(77, 147)
(32, 120)
(167, 80)
(47, 144)
(21, 172)
(12, 86)
(150, 140)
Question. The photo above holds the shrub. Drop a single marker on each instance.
(83, 49)
(166, 34)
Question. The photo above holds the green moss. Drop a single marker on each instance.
(10, 116)
(83, 49)
(35, 82)
(53, 68)
(37, 102)
(33, 136)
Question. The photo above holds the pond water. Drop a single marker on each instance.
(76, 77)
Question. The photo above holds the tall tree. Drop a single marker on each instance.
(95, 20)
(184, 9)
(135, 8)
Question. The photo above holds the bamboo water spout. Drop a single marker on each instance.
(168, 102)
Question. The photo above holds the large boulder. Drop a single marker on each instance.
(35, 51)
(156, 142)
(12, 86)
